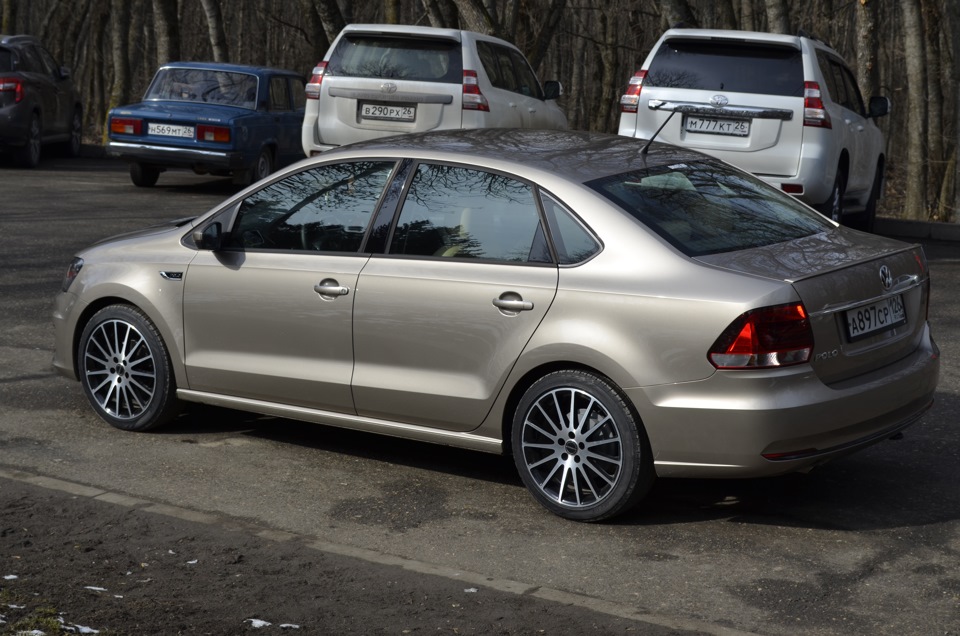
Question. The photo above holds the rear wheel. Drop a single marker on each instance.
(144, 175)
(832, 208)
(29, 155)
(125, 370)
(579, 448)
(72, 146)
(868, 219)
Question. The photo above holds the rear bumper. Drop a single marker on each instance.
(753, 424)
(176, 157)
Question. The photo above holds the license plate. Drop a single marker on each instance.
(388, 113)
(167, 130)
(879, 316)
(717, 126)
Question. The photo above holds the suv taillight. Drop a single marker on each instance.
(126, 126)
(770, 337)
(12, 85)
(631, 99)
(473, 99)
(814, 113)
(316, 78)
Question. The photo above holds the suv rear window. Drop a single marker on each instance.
(725, 65)
(6, 60)
(386, 57)
(710, 208)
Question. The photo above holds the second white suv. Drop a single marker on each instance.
(378, 80)
(786, 108)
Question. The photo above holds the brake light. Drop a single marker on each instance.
(765, 338)
(631, 99)
(126, 126)
(473, 99)
(12, 85)
(316, 78)
(814, 113)
(213, 133)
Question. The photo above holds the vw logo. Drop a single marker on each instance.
(719, 101)
(886, 277)
(388, 87)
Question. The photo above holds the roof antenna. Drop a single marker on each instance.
(656, 105)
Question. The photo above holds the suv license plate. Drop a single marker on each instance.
(717, 126)
(166, 130)
(388, 113)
(879, 316)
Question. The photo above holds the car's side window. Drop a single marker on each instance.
(573, 242)
(508, 77)
(488, 59)
(279, 94)
(299, 96)
(854, 100)
(529, 84)
(324, 209)
(465, 213)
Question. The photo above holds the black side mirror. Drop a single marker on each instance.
(209, 238)
(552, 89)
(879, 106)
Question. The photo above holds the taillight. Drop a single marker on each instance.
(473, 99)
(12, 85)
(776, 336)
(631, 99)
(814, 113)
(126, 126)
(316, 78)
(213, 133)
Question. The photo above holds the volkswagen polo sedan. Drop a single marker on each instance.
(607, 311)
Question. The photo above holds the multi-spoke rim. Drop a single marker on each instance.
(120, 369)
(572, 447)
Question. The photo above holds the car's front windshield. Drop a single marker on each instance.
(707, 207)
(203, 85)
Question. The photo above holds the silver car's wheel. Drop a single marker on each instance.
(579, 448)
(832, 208)
(125, 369)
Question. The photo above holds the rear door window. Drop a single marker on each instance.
(387, 57)
(6, 61)
(728, 66)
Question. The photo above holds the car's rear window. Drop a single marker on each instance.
(707, 207)
(203, 85)
(724, 65)
(389, 57)
(6, 60)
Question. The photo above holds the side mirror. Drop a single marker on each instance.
(64, 73)
(552, 89)
(879, 106)
(209, 238)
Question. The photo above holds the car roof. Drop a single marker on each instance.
(236, 68)
(410, 30)
(574, 155)
(745, 36)
(18, 39)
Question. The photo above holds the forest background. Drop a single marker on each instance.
(904, 49)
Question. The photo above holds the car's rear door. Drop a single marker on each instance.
(441, 318)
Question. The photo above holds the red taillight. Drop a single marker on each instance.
(316, 78)
(631, 99)
(776, 336)
(126, 126)
(814, 113)
(792, 188)
(12, 85)
(473, 99)
(213, 133)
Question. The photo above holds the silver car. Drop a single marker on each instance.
(606, 311)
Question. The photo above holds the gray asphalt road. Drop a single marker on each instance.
(866, 545)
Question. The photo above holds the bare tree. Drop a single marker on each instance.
(677, 13)
(330, 17)
(778, 17)
(218, 37)
(867, 46)
(167, 30)
(916, 168)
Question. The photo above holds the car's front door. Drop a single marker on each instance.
(269, 316)
(441, 318)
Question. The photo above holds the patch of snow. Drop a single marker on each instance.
(257, 623)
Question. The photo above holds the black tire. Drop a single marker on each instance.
(868, 219)
(263, 167)
(832, 208)
(71, 147)
(28, 155)
(144, 175)
(125, 370)
(605, 451)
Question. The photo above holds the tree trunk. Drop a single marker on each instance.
(916, 182)
(677, 13)
(218, 37)
(330, 17)
(475, 17)
(726, 16)
(934, 99)
(546, 32)
(778, 17)
(867, 47)
(167, 29)
(7, 17)
(391, 11)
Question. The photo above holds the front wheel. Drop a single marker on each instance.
(143, 175)
(125, 370)
(579, 448)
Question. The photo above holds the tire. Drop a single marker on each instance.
(579, 448)
(263, 167)
(29, 155)
(125, 370)
(144, 175)
(72, 146)
(832, 208)
(868, 219)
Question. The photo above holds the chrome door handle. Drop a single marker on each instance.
(512, 305)
(330, 288)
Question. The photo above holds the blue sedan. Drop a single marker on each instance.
(220, 119)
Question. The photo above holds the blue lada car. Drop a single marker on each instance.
(220, 119)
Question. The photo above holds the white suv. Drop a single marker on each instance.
(786, 108)
(378, 80)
